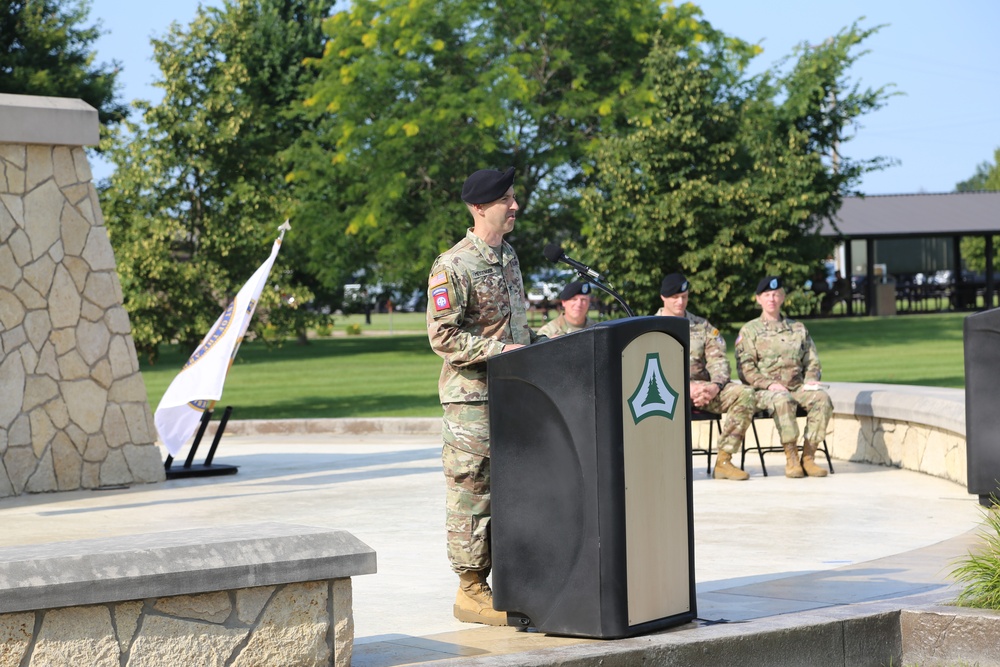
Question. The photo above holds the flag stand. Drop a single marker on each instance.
(206, 469)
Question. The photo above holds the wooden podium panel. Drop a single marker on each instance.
(656, 477)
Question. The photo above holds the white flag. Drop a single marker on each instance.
(199, 384)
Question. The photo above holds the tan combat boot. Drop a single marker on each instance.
(809, 462)
(792, 467)
(724, 469)
(474, 600)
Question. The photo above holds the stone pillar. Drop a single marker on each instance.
(73, 407)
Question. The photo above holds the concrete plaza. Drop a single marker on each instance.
(764, 549)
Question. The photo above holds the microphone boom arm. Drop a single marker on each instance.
(607, 289)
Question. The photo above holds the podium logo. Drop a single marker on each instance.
(653, 395)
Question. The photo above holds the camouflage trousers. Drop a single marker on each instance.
(783, 407)
(737, 403)
(466, 460)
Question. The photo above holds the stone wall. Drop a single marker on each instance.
(914, 428)
(239, 595)
(308, 623)
(74, 412)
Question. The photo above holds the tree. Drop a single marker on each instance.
(412, 96)
(198, 191)
(731, 178)
(45, 49)
(987, 177)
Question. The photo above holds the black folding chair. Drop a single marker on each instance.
(761, 449)
(699, 416)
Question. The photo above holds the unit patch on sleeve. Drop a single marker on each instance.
(441, 299)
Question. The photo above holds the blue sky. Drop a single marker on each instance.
(945, 58)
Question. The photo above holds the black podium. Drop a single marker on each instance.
(981, 337)
(592, 528)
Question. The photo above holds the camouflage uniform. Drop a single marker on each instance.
(708, 363)
(476, 303)
(782, 351)
(559, 327)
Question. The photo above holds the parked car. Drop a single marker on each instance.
(544, 287)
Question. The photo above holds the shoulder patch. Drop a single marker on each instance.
(739, 338)
(437, 279)
(441, 299)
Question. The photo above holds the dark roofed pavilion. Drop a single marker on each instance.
(887, 217)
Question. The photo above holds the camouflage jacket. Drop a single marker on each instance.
(475, 304)
(560, 327)
(708, 362)
(779, 351)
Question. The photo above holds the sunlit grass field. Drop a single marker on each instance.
(383, 375)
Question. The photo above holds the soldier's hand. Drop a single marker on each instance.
(777, 387)
(702, 394)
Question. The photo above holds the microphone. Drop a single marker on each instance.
(554, 253)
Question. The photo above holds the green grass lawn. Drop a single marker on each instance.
(356, 376)
(905, 349)
(396, 376)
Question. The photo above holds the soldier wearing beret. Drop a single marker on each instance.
(476, 308)
(575, 299)
(711, 389)
(776, 356)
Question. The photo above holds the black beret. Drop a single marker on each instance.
(769, 283)
(487, 185)
(674, 284)
(574, 288)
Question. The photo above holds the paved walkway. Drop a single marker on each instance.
(770, 546)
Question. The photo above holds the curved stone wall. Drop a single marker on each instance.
(910, 427)
(74, 412)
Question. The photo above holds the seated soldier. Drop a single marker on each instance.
(711, 390)
(575, 299)
(776, 356)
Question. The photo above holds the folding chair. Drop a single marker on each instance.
(761, 449)
(700, 416)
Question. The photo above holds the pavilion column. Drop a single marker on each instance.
(988, 297)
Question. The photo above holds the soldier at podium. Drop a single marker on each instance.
(575, 299)
(711, 389)
(476, 308)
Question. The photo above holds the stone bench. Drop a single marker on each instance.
(909, 427)
(255, 594)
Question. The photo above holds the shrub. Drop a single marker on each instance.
(979, 573)
(353, 330)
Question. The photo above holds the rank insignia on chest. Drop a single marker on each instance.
(441, 299)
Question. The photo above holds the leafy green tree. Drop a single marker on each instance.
(199, 191)
(46, 49)
(987, 177)
(412, 96)
(731, 179)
